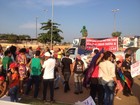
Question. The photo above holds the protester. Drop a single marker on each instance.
(78, 69)
(13, 52)
(3, 85)
(13, 82)
(57, 78)
(108, 77)
(6, 61)
(120, 81)
(126, 71)
(1, 53)
(31, 52)
(59, 56)
(22, 62)
(1, 49)
(66, 71)
(48, 76)
(35, 73)
(96, 88)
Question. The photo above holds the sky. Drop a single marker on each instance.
(19, 17)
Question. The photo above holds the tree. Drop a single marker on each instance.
(13, 38)
(46, 37)
(116, 34)
(23, 37)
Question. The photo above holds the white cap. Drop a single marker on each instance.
(7, 47)
(47, 54)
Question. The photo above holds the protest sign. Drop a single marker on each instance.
(110, 44)
(89, 101)
(138, 55)
(135, 69)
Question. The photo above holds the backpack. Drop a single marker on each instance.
(78, 68)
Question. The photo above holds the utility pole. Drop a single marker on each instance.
(115, 11)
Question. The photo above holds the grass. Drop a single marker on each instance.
(32, 101)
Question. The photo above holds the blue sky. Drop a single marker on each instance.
(19, 17)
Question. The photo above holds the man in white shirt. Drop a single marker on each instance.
(48, 76)
(107, 72)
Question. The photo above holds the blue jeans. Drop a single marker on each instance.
(109, 93)
(56, 81)
(66, 83)
(13, 92)
(78, 82)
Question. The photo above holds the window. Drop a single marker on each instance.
(71, 51)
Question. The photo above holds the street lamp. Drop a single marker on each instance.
(36, 28)
(52, 23)
(114, 11)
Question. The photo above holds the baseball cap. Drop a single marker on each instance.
(47, 54)
(13, 65)
(2, 78)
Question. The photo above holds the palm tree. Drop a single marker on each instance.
(46, 37)
(116, 34)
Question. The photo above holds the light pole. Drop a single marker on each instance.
(114, 11)
(52, 23)
(36, 27)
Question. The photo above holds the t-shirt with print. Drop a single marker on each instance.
(78, 68)
(66, 62)
(126, 65)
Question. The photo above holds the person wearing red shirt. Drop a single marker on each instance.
(13, 82)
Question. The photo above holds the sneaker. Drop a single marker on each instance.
(81, 92)
(131, 94)
(52, 101)
(119, 98)
(44, 100)
(76, 93)
(56, 88)
(19, 99)
(126, 94)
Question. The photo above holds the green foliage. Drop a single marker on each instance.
(116, 34)
(23, 37)
(13, 38)
(46, 37)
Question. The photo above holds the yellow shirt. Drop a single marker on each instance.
(59, 55)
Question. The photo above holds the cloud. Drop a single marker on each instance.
(69, 2)
(49, 2)
(29, 25)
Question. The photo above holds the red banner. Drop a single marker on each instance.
(110, 44)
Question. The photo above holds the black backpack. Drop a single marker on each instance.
(78, 68)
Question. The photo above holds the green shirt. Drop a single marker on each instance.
(6, 62)
(36, 66)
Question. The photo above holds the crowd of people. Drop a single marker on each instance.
(27, 67)
(110, 77)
